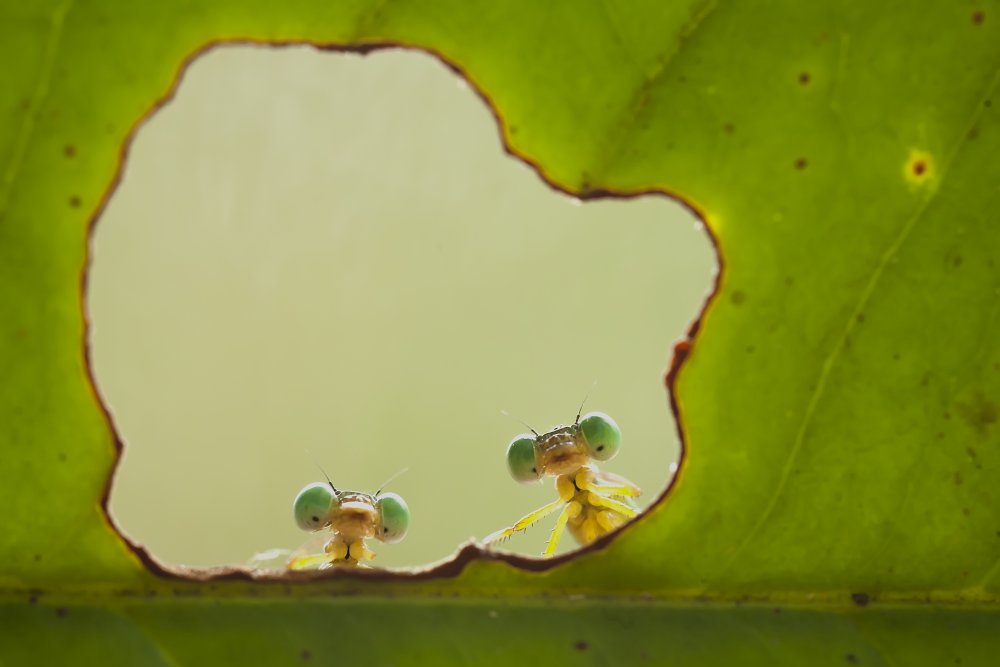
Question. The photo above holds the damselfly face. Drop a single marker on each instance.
(351, 514)
(564, 450)
(354, 516)
(347, 519)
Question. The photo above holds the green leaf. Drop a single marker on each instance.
(839, 401)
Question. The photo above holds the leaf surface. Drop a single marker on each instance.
(839, 400)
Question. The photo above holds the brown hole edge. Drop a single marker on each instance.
(467, 552)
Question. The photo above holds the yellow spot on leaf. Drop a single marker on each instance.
(919, 167)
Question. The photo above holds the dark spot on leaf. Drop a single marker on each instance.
(978, 17)
(861, 599)
(925, 380)
(851, 658)
(69, 150)
(315, 519)
(919, 167)
(801, 163)
(776, 610)
(957, 477)
(600, 448)
(860, 318)
(750, 348)
(988, 103)
(62, 612)
(980, 413)
(973, 133)
(804, 78)
(738, 297)
(966, 511)
(74, 201)
(581, 645)
(62, 457)
(32, 599)
(895, 356)
(788, 281)
(682, 79)
(728, 128)
(38, 557)
(306, 654)
(513, 129)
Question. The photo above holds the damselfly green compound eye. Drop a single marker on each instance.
(312, 506)
(521, 459)
(395, 517)
(602, 435)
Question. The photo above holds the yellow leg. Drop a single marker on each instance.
(608, 490)
(606, 484)
(336, 549)
(564, 485)
(612, 504)
(608, 520)
(308, 562)
(359, 551)
(589, 530)
(525, 522)
(335, 554)
(571, 511)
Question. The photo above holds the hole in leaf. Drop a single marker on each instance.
(324, 252)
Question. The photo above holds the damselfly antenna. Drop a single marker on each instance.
(328, 480)
(522, 423)
(386, 482)
(584, 402)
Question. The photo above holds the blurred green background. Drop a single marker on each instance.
(327, 256)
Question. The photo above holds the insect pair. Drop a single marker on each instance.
(592, 503)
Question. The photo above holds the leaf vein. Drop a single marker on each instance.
(640, 98)
(38, 97)
(838, 347)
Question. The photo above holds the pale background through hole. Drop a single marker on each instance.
(332, 253)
